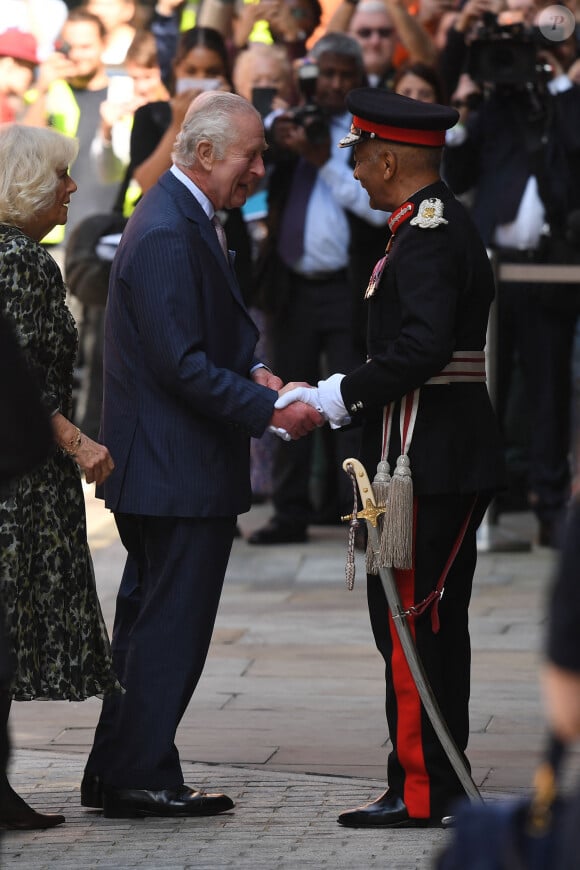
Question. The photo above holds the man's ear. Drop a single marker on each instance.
(390, 163)
(205, 154)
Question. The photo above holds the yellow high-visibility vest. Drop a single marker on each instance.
(64, 115)
(189, 15)
(261, 30)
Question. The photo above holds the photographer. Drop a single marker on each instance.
(520, 151)
(307, 275)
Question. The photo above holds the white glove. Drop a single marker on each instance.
(330, 398)
(308, 395)
(326, 398)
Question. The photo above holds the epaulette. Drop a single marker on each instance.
(430, 214)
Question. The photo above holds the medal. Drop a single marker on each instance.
(376, 273)
(398, 217)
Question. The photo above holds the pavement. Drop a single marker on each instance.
(288, 718)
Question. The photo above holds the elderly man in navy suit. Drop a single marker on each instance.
(183, 394)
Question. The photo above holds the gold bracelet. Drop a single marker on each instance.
(72, 447)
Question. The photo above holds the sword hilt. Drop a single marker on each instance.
(364, 485)
(370, 512)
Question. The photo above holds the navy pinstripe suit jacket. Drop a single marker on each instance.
(179, 407)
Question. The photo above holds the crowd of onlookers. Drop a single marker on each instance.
(119, 76)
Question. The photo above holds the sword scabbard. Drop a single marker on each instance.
(399, 615)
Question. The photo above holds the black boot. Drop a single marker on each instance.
(14, 811)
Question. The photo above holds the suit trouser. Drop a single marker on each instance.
(316, 326)
(166, 610)
(542, 338)
(418, 769)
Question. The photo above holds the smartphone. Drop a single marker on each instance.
(262, 99)
(182, 85)
(62, 47)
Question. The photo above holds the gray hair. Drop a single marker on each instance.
(256, 51)
(210, 118)
(338, 43)
(372, 6)
(29, 160)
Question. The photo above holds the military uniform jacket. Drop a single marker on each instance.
(433, 298)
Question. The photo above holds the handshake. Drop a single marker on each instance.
(300, 408)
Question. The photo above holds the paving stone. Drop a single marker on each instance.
(288, 717)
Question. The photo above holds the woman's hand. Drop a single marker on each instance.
(94, 460)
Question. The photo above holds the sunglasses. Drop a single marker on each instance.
(384, 32)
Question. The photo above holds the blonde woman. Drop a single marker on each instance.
(57, 637)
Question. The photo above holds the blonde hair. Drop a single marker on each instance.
(30, 158)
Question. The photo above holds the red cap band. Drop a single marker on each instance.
(435, 138)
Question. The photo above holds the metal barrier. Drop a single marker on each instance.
(489, 537)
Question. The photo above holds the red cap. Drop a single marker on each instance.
(380, 114)
(19, 45)
(435, 138)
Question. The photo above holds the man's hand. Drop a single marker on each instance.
(326, 398)
(266, 378)
(292, 136)
(298, 419)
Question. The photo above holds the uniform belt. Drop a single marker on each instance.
(466, 366)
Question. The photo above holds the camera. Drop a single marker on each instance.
(62, 47)
(506, 54)
(309, 115)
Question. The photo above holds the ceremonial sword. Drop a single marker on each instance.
(370, 513)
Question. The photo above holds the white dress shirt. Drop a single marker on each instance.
(326, 230)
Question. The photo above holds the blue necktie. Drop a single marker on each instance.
(291, 236)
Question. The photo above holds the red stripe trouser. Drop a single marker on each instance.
(418, 770)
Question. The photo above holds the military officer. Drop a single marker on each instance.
(424, 407)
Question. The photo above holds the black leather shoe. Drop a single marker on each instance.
(129, 803)
(388, 811)
(449, 822)
(279, 532)
(16, 815)
(92, 791)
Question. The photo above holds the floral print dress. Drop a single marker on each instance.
(47, 585)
